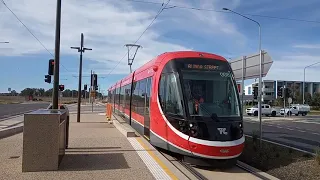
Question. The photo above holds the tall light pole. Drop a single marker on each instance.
(304, 79)
(260, 69)
(55, 92)
(80, 49)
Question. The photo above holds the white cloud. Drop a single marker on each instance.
(290, 67)
(107, 26)
(307, 46)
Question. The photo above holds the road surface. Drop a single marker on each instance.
(7, 110)
(97, 107)
(302, 133)
(18, 120)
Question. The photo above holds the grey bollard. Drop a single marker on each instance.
(44, 140)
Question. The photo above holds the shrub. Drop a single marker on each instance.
(317, 152)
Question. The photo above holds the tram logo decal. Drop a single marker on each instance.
(224, 150)
(223, 131)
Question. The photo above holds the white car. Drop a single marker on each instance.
(296, 109)
(265, 110)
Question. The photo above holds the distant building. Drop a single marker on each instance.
(270, 88)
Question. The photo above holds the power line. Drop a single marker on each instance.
(219, 11)
(159, 12)
(31, 33)
(26, 27)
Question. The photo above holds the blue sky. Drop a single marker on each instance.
(109, 24)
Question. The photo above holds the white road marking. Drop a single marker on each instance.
(289, 128)
(301, 131)
(315, 133)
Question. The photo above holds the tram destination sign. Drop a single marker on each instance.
(202, 66)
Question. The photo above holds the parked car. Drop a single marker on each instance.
(266, 110)
(296, 109)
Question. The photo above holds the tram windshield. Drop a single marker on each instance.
(210, 93)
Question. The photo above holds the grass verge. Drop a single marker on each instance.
(10, 102)
(314, 112)
(279, 161)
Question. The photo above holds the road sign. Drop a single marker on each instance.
(9, 89)
(289, 100)
(250, 65)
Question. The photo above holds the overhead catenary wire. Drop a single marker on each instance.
(31, 32)
(220, 11)
(163, 6)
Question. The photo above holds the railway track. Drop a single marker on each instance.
(240, 171)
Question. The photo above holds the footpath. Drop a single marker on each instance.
(97, 150)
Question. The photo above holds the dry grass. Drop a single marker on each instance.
(314, 112)
(281, 162)
(20, 99)
(317, 157)
(11, 99)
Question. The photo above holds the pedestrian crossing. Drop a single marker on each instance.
(94, 104)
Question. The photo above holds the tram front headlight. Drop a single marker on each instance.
(241, 128)
(193, 129)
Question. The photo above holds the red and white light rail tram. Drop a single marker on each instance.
(185, 102)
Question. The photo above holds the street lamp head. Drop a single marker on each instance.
(75, 47)
(226, 9)
(6, 42)
(87, 49)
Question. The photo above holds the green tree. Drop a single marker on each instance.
(278, 102)
(74, 93)
(27, 92)
(316, 100)
(14, 93)
(48, 93)
(297, 98)
(41, 92)
(67, 93)
(308, 98)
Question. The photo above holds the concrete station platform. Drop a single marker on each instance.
(97, 150)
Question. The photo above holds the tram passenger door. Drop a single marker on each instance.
(147, 109)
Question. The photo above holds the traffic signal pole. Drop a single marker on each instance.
(93, 89)
(284, 100)
(80, 49)
(56, 58)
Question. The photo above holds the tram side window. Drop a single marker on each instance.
(141, 100)
(117, 96)
(148, 94)
(122, 96)
(150, 86)
(113, 96)
(109, 97)
(135, 96)
(161, 90)
(127, 96)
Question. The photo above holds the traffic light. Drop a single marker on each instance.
(85, 87)
(280, 94)
(96, 88)
(51, 67)
(255, 92)
(47, 79)
(61, 87)
(94, 80)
